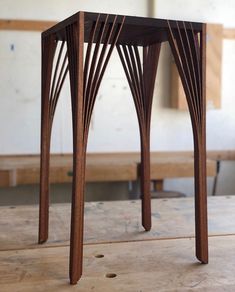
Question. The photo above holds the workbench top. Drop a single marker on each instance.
(118, 254)
(25, 169)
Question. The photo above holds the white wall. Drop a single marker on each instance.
(20, 84)
(114, 124)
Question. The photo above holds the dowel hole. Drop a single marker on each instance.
(111, 275)
(99, 256)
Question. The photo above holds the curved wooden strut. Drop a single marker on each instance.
(188, 49)
(84, 84)
(141, 78)
(51, 88)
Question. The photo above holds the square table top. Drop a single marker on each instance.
(141, 31)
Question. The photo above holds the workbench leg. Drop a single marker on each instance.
(189, 49)
(141, 78)
(48, 50)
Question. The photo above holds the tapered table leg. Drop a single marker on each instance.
(200, 165)
(75, 43)
(189, 50)
(48, 50)
(201, 204)
(145, 186)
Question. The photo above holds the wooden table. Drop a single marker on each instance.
(138, 42)
(159, 260)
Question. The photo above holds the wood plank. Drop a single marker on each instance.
(5, 178)
(6, 160)
(100, 167)
(178, 167)
(221, 155)
(25, 25)
(177, 95)
(229, 33)
(114, 221)
(157, 265)
(102, 172)
(213, 72)
(26, 169)
(214, 65)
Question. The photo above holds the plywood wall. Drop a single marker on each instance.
(214, 47)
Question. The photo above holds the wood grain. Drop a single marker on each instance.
(24, 169)
(25, 25)
(229, 33)
(157, 265)
(171, 218)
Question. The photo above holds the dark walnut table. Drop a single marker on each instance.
(138, 42)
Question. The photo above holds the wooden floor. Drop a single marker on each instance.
(118, 254)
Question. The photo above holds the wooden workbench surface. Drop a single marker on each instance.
(160, 260)
(114, 221)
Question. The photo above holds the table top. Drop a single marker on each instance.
(141, 31)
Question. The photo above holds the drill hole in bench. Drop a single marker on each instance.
(111, 275)
(99, 256)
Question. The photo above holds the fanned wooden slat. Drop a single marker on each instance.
(92, 96)
(141, 79)
(56, 68)
(189, 47)
(93, 63)
(109, 32)
(88, 52)
(136, 75)
(150, 82)
(60, 82)
(138, 102)
(184, 59)
(183, 77)
(195, 56)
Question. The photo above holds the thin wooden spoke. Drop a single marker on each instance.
(141, 79)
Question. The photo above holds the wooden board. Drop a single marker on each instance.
(114, 221)
(116, 246)
(213, 72)
(25, 169)
(229, 33)
(25, 25)
(157, 265)
(168, 167)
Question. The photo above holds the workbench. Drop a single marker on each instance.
(103, 167)
(118, 254)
